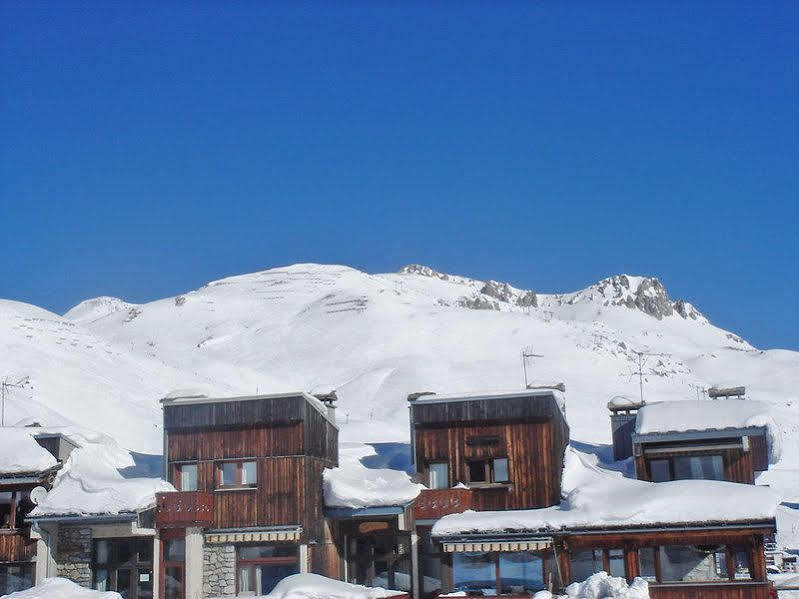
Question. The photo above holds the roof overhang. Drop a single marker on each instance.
(725, 433)
(85, 519)
(365, 512)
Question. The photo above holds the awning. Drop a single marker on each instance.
(269, 536)
(531, 545)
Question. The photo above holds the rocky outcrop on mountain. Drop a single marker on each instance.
(651, 298)
(478, 302)
(425, 271)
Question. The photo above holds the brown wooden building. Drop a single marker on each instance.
(17, 549)
(249, 506)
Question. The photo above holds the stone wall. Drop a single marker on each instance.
(219, 571)
(74, 554)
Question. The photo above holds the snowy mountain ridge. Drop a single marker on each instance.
(375, 338)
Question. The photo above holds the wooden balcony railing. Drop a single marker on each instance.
(183, 508)
(15, 546)
(435, 503)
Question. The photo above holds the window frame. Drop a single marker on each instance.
(114, 564)
(179, 476)
(251, 563)
(670, 459)
(488, 466)
(494, 563)
(430, 470)
(728, 549)
(238, 485)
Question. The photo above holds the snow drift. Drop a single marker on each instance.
(61, 588)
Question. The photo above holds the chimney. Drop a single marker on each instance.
(623, 413)
(329, 399)
(412, 397)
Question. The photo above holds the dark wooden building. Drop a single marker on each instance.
(248, 471)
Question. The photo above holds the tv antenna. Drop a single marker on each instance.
(4, 384)
(527, 353)
(701, 392)
(642, 358)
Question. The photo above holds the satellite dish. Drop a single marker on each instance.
(38, 494)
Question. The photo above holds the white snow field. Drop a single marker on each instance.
(375, 338)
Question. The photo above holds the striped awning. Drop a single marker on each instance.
(531, 545)
(268, 536)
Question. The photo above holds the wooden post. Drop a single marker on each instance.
(730, 562)
(658, 565)
(447, 578)
(564, 564)
(630, 562)
(757, 567)
(12, 518)
(605, 560)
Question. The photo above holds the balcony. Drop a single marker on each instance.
(15, 546)
(183, 508)
(432, 504)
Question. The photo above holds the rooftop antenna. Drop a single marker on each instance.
(5, 384)
(642, 359)
(701, 391)
(527, 353)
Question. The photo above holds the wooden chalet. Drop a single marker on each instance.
(17, 548)
(493, 451)
(708, 441)
(249, 505)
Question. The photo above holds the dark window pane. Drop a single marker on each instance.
(646, 563)
(741, 556)
(521, 571)
(123, 583)
(616, 562)
(689, 563)
(477, 472)
(229, 473)
(659, 470)
(175, 550)
(173, 583)
(267, 576)
(252, 552)
(431, 572)
(708, 467)
(145, 584)
(144, 547)
(585, 562)
(474, 571)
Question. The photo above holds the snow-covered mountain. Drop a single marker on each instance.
(375, 338)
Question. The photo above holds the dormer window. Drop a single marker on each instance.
(489, 471)
(236, 475)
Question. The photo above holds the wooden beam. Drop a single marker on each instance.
(12, 519)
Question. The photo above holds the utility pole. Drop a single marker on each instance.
(4, 384)
(642, 359)
(527, 352)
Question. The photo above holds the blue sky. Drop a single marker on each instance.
(146, 148)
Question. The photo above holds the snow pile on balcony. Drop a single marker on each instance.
(598, 498)
(685, 416)
(602, 586)
(61, 588)
(19, 452)
(353, 485)
(314, 586)
(90, 483)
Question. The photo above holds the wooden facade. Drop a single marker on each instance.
(528, 430)
(289, 439)
(16, 546)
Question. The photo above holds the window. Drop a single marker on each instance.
(15, 577)
(501, 470)
(261, 567)
(586, 562)
(493, 573)
(237, 475)
(187, 477)
(439, 475)
(431, 563)
(124, 565)
(174, 551)
(660, 471)
(684, 563)
(489, 471)
(706, 467)
(646, 563)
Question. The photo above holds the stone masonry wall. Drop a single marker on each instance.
(219, 571)
(74, 554)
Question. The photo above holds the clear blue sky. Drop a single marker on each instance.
(146, 148)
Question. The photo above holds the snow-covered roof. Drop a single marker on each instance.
(90, 484)
(483, 395)
(21, 454)
(600, 499)
(353, 485)
(624, 402)
(720, 415)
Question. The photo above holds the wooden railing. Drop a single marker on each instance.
(183, 508)
(435, 503)
(713, 590)
(15, 546)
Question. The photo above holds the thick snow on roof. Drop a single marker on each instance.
(61, 588)
(596, 498)
(313, 586)
(540, 390)
(685, 416)
(353, 485)
(19, 452)
(90, 484)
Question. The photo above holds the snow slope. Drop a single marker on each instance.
(375, 338)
